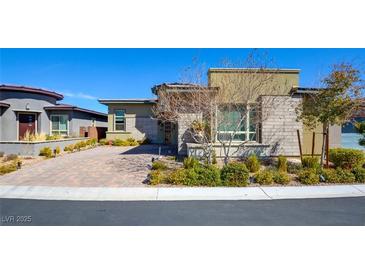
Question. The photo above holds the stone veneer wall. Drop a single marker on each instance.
(183, 135)
(279, 125)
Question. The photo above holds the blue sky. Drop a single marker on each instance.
(83, 75)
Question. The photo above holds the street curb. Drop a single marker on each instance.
(178, 194)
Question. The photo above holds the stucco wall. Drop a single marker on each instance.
(139, 122)
(21, 101)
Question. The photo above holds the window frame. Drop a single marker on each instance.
(53, 132)
(124, 120)
(247, 132)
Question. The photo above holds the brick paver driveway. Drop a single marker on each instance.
(101, 166)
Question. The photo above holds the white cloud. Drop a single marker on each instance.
(79, 95)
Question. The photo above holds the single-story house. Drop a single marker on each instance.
(37, 110)
(275, 135)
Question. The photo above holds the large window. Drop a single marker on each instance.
(237, 121)
(59, 124)
(119, 120)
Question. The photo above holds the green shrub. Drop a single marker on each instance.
(10, 167)
(69, 148)
(214, 157)
(10, 157)
(253, 163)
(103, 142)
(345, 176)
(235, 174)
(82, 144)
(282, 164)
(2, 154)
(362, 142)
(183, 176)
(294, 168)
(46, 152)
(207, 175)
(158, 165)
(338, 176)
(311, 163)
(191, 162)
(156, 177)
(91, 142)
(53, 137)
(264, 177)
(346, 158)
(119, 142)
(308, 176)
(131, 142)
(359, 173)
(57, 150)
(197, 176)
(281, 177)
(330, 176)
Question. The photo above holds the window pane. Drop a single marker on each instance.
(63, 123)
(119, 126)
(252, 120)
(55, 121)
(252, 136)
(239, 137)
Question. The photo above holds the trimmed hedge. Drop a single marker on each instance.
(235, 174)
(347, 158)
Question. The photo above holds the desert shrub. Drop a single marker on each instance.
(281, 177)
(69, 148)
(294, 168)
(359, 173)
(207, 175)
(282, 164)
(131, 142)
(46, 152)
(57, 150)
(264, 177)
(214, 158)
(103, 142)
(311, 163)
(345, 176)
(183, 176)
(156, 177)
(2, 154)
(191, 162)
(253, 163)
(158, 165)
(308, 176)
(53, 137)
(10, 157)
(198, 176)
(346, 158)
(119, 142)
(82, 144)
(91, 142)
(330, 176)
(10, 167)
(235, 174)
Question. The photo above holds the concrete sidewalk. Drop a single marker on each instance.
(175, 194)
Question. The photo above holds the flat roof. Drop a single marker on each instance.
(180, 86)
(31, 90)
(271, 70)
(305, 90)
(129, 101)
(74, 108)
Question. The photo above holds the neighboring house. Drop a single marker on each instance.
(36, 110)
(350, 137)
(273, 136)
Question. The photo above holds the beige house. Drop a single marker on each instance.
(275, 135)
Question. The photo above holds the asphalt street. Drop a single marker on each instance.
(329, 211)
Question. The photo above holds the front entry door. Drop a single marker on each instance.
(26, 123)
(168, 133)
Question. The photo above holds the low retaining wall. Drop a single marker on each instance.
(236, 151)
(25, 148)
